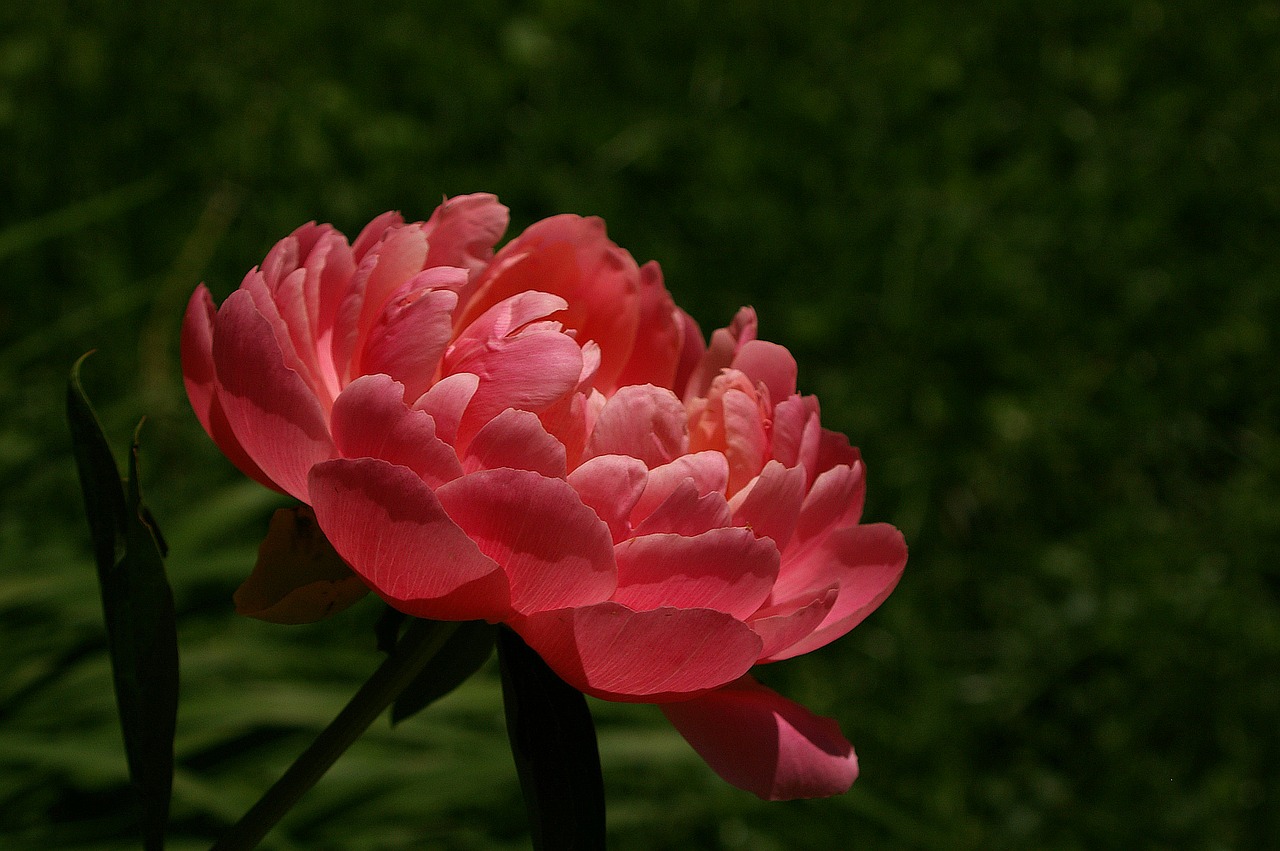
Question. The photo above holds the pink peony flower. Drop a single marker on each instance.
(541, 438)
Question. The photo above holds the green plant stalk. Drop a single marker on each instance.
(421, 641)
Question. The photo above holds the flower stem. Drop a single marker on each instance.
(421, 641)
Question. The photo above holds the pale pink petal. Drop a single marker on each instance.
(867, 562)
(614, 653)
(686, 512)
(659, 336)
(725, 343)
(759, 741)
(645, 422)
(708, 470)
(515, 439)
(556, 551)
(744, 437)
(371, 420)
(388, 525)
(271, 410)
(770, 504)
(728, 570)
(409, 338)
(782, 626)
(447, 401)
(463, 231)
(610, 485)
(201, 383)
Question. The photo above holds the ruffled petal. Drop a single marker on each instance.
(762, 742)
(463, 231)
(728, 570)
(516, 439)
(614, 653)
(645, 422)
(725, 343)
(708, 470)
(409, 338)
(447, 401)
(745, 440)
(556, 551)
(834, 501)
(371, 420)
(782, 626)
(389, 526)
(686, 512)
(271, 410)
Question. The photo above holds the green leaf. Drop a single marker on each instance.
(461, 656)
(137, 605)
(553, 741)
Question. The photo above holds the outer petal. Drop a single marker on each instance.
(782, 626)
(728, 570)
(371, 420)
(610, 485)
(556, 551)
(388, 525)
(692, 348)
(659, 338)
(759, 741)
(612, 652)
(867, 562)
(271, 410)
(645, 422)
(516, 439)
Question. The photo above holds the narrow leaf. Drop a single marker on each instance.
(461, 656)
(137, 607)
(553, 741)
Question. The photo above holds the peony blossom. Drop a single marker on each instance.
(539, 437)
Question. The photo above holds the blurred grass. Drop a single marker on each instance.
(1026, 256)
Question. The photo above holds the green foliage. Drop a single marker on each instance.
(1025, 254)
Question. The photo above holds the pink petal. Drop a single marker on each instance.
(795, 434)
(782, 626)
(371, 420)
(659, 336)
(768, 364)
(759, 741)
(685, 512)
(834, 449)
(556, 551)
(645, 422)
(388, 525)
(271, 410)
(201, 383)
(867, 562)
(744, 438)
(834, 501)
(516, 439)
(692, 348)
(409, 338)
(374, 233)
(463, 231)
(502, 319)
(725, 343)
(610, 485)
(611, 652)
(708, 470)
(446, 402)
(728, 570)
(770, 505)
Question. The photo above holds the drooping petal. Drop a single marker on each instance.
(610, 485)
(728, 570)
(759, 741)
(770, 504)
(516, 439)
(371, 420)
(867, 561)
(556, 551)
(410, 336)
(645, 422)
(388, 525)
(271, 410)
(614, 653)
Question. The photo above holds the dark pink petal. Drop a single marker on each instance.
(302, 362)
(447, 401)
(745, 440)
(409, 338)
(768, 364)
(708, 470)
(770, 504)
(659, 336)
(725, 343)
(371, 420)
(611, 652)
(867, 562)
(610, 485)
(556, 551)
(728, 570)
(834, 449)
(569, 421)
(645, 422)
(515, 439)
(782, 626)
(201, 383)
(759, 741)
(686, 512)
(388, 525)
(271, 410)
(463, 231)
(692, 348)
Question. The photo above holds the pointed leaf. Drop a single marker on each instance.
(461, 656)
(553, 741)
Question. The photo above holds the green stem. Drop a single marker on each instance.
(421, 641)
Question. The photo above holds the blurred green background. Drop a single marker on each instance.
(1026, 255)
